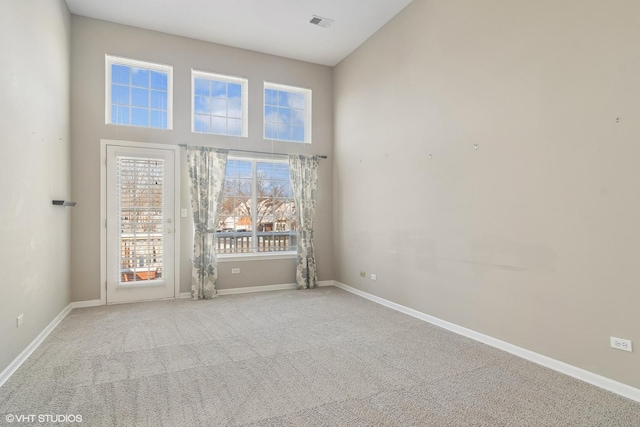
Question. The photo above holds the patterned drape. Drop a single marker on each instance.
(206, 171)
(304, 181)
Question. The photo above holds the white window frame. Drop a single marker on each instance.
(118, 60)
(307, 110)
(255, 255)
(227, 79)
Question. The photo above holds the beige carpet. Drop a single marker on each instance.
(321, 357)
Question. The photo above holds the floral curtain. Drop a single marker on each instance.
(304, 181)
(206, 171)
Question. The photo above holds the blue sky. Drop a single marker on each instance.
(139, 97)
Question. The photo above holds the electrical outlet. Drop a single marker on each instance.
(363, 274)
(19, 320)
(621, 344)
(374, 277)
(235, 271)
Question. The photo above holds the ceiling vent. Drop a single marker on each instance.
(321, 22)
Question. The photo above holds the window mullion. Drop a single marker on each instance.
(254, 205)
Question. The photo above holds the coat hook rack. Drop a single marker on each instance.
(63, 203)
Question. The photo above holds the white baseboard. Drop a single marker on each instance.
(266, 288)
(83, 304)
(565, 368)
(184, 295)
(250, 289)
(18, 361)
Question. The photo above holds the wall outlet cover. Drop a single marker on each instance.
(621, 344)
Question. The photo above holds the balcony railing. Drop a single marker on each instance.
(141, 257)
(240, 242)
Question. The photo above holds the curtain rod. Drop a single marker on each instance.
(252, 151)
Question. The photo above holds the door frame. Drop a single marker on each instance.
(103, 209)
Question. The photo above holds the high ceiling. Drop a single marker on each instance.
(277, 27)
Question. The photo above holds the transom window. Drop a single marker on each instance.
(138, 93)
(258, 209)
(287, 113)
(219, 104)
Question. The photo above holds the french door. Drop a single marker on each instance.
(140, 224)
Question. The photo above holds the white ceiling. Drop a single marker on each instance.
(277, 27)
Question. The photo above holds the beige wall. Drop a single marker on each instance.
(92, 39)
(534, 237)
(34, 125)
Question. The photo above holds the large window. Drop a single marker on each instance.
(258, 210)
(219, 104)
(287, 113)
(138, 93)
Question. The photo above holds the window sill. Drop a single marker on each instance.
(256, 257)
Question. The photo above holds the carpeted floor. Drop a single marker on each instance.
(322, 357)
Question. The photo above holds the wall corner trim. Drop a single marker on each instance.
(573, 371)
(22, 357)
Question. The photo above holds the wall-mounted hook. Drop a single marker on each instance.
(475, 146)
(430, 157)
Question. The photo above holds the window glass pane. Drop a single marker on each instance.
(283, 99)
(120, 115)
(265, 223)
(219, 125)
(159, 80)
(219, 89)
(298, 118)
(234, 90)
(281, 189)
(202, 123)
(284, 132)
(297, 134)
(202, 87)
(140, 117)
(202, 104)
(284, 116)
(270, 97)
(297, 100)
(139, 97)
(243, 223)
(227, 206)
(119, 94)
(234, 127)
(265, 170)
(270, 114)
(140, 77)
(121, 74)
(234, 109)
(219, 107)
(244, 169)
(158, 100)
(281, 171)
(159, 119)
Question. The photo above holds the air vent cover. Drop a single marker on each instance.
(321, 22)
